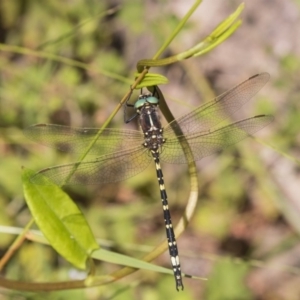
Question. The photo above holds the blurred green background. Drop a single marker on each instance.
(249, 203)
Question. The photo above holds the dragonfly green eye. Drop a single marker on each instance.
(152, 100)
(145, 99)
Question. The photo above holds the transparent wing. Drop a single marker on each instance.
(222, 107)
(77, 140)
(107, 168)
(206, 143)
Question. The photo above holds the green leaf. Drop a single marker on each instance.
(59, 219)
(222, 32)
(151, 79)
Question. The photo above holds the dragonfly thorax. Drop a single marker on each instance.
(154, 139)
(150, 122)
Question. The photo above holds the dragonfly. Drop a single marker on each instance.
(121, 154)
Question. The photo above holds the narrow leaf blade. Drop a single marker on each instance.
(128, 261)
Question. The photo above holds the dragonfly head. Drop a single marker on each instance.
(145, 100)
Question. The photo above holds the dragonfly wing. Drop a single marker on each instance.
(212, 113)
(206, 143)
(106, 168)
(78, 140)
